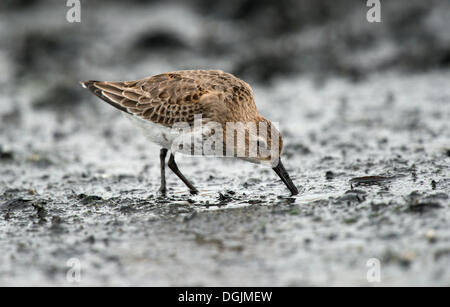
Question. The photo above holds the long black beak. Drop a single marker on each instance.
(281, 171)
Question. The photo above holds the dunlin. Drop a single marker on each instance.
(160, 103)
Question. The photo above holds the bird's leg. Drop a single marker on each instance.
(173, 166)
(162, 158)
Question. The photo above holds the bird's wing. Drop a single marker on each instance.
(163, 99)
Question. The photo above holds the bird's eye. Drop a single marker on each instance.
(261, 144)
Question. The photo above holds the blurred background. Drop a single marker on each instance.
(256, 40)
(352, 98)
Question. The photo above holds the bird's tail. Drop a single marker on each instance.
(99, 92)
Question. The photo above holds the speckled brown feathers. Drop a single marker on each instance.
(178, 96)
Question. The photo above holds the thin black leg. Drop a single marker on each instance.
(162, 159)
(173, 166)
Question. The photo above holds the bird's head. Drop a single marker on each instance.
(263, 146)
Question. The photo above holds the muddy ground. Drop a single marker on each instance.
(78, 183)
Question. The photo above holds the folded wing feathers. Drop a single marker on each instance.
(126, 99)
(115, 98)
(130, 97)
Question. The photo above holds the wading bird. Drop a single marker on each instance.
(159, 103)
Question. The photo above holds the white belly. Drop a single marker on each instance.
(158, 134)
